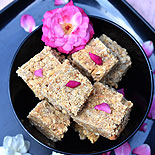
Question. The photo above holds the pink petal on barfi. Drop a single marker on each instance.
(72, 84)
(152, 109)
(38, 72)
(27, 22)
(143, 127)
(60, 2)
(103, 107)
(121, 91)
(97, 59)
(124, 149)
(107, 153)
(148, 47)
(143, 149)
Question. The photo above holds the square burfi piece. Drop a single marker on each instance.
(84, 133)
(108, 125)
(69, 100)
(87, 66)
(115, 75)
(49, 121)
(46, 61)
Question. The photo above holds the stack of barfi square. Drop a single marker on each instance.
(60, 102)
(49, 121)
(84, 63)
(69, 100)
(108, 125)
(115, 75)
(46, 60)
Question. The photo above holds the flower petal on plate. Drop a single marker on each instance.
(72, 84)
(124, 149)
(143, 149)
(7, 142)
(148, 47)
(60, 2)
(152, 109)
(27, 22)
(103, 107)
(121, 91)
(143, 127)
(39, 72)
(107, 153)
(97, 59)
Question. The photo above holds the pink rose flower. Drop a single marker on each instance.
(68, 29)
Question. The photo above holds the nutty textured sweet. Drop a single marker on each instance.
(69, 100)
(49, 121)
(100, 122)
(115, 75)
(84, 133)
(46, 60)
(88, 67)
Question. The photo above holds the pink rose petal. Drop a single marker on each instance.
(97, 59)
(121, 91)
(143, 149)
(152, 109)
(38, 72)
(124, 149)
(143, 127)
(60, 2)
(72, 84)
(68, 28)
(107, 153)
(27, 22)
(103, 107)
(148, 48)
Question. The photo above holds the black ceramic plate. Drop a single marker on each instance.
(138, 85)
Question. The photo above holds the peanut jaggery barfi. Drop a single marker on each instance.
(84, 133)
(49, 121)
(85, 64)
(115, 75)
(46, 60)
(108, 125)
(69, 100)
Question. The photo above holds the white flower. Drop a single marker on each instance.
(54, 153)
(15, 146)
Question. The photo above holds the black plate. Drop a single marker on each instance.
(138, 85)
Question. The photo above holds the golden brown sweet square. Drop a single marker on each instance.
(114, 76)
(69, 100)
(108, 125)
(84, 133)
(49, 121)
(83, 61)
(46, 60)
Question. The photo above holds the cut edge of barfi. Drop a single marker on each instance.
(25, 71)
(53, 101)
(96, 72)
(41, 121)
(116, 75)
(85, 133)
